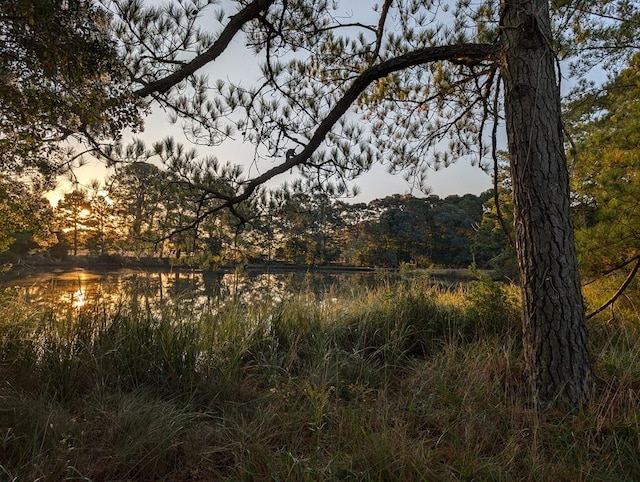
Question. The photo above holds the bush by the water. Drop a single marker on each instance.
(406, 382)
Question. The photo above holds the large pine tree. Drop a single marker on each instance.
(437, 79)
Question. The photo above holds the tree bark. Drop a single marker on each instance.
(555, 333)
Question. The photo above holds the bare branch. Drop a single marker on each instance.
(618, 293)
(380, 30)
(347, 25)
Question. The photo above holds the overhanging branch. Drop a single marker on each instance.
(474, 53)
(236, 22)
(462, 53)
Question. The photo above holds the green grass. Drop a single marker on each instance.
(407, 382)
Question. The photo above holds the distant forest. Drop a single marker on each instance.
(136, 217)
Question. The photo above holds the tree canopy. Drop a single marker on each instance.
(61, 77)
(606, 128)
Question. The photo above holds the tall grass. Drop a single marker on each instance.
(405, 382)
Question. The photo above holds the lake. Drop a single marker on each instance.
(77, 288)
(194, 289)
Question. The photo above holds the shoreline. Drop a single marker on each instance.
(36, 265)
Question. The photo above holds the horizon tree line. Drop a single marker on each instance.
(133, 219)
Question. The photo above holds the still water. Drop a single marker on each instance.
(198, 290)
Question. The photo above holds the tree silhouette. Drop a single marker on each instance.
(73, 212)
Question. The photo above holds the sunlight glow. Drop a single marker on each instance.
(77, 299)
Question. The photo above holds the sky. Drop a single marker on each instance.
(238, 64)
(459, 178)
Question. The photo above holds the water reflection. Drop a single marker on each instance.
(192, 290)
(77, 299)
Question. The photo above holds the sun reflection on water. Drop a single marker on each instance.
(198, 292)
(77, 299)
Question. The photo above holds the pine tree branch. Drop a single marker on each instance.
(454, 53)
(236, 22)
(474, 53)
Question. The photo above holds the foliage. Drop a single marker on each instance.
(308, 226)
(596, 33)
(606, 128)
(419, 231)
(61, 75)
(73, 212)
(136, 191)
(142, 210)
(492, 245)
(25, 217)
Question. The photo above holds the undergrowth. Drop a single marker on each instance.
(406, 382)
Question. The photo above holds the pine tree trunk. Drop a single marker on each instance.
(555, 334)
